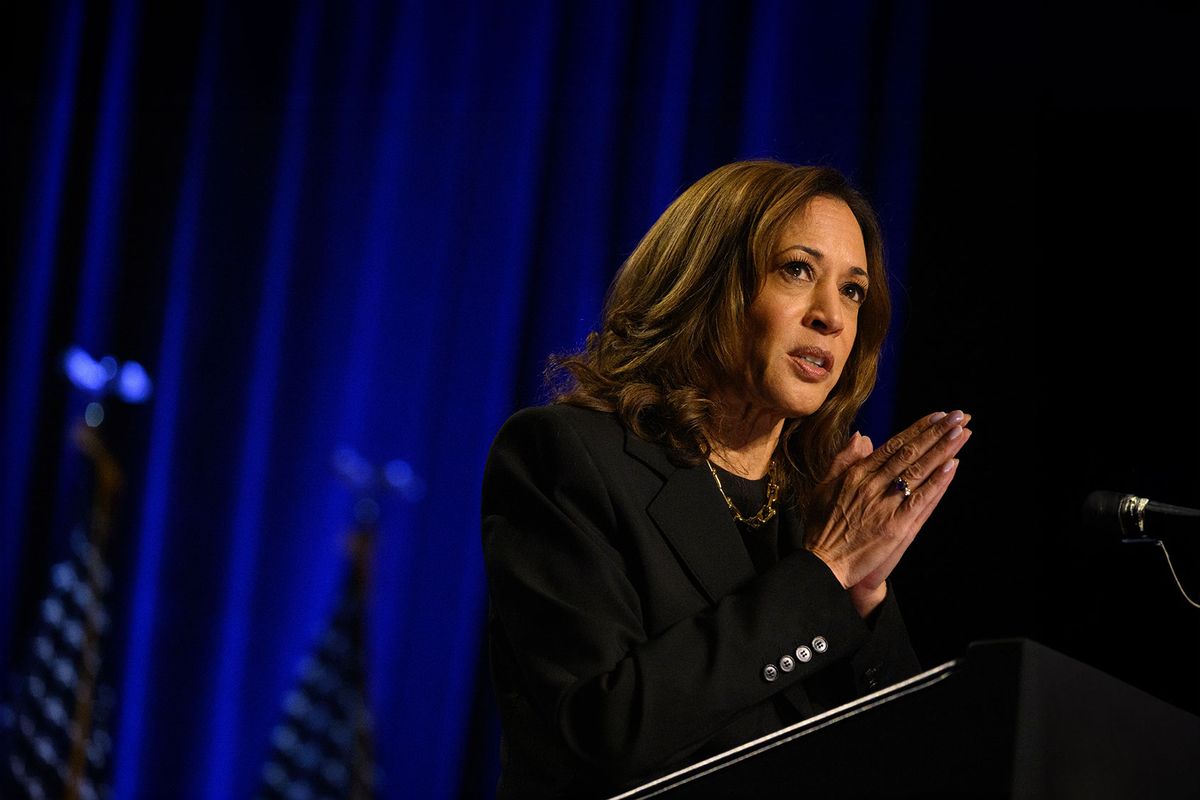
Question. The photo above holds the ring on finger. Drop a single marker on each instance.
(901, 485)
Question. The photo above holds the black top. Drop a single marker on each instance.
(748, 496)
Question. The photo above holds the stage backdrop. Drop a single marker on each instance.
(360, 224)
(364, 225)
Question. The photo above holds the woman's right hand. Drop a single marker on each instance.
(865, 522)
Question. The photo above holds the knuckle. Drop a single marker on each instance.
(908, 453)
(891, 446)
(917, 498)
(856, 472)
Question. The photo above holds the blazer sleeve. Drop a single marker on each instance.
(561, 591)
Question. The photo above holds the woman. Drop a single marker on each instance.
(687, 551)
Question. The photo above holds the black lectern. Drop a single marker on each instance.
(1010, 719)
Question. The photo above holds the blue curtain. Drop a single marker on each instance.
(328, 224)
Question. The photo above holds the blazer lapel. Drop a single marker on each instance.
(695, 521)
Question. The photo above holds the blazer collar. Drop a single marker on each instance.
(692, 516)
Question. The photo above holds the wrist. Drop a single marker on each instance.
(832, 565)
(866, 600)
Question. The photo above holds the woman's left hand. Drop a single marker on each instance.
(871, 590)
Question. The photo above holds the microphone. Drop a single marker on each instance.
(1135, 518)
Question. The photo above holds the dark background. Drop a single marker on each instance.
(1054, 297)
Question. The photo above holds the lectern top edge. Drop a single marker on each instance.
(784, 735)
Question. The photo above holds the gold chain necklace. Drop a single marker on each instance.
(765, 513)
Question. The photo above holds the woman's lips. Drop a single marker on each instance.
(812, 363)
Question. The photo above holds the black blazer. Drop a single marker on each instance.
(629, 633)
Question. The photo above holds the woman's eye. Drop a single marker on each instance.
(855, 291)
(798, 269)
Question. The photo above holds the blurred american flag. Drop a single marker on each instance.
(56, 724)
(323, 748)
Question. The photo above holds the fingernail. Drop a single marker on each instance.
(855, 436)
(956, 416)
(949, 465)
(938, 417)
(955, 432)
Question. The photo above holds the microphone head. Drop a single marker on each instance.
(1101, 511)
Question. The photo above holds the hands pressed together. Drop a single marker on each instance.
(866, 518)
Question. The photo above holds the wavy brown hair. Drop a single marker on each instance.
(674, 320)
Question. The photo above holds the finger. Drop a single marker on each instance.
(942, 451)
(904, 454)
(949, 470)
(845, 457)
(926, 497)
(906, 438)
(858, 447)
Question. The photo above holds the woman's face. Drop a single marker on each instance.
(802, 324)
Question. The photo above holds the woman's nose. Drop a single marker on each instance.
(825, 312)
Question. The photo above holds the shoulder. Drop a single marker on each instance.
(561, 425)
(563, 439)
(552, 443)
(556, 414)
(554, 450)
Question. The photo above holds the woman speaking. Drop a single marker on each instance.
(688, 550)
